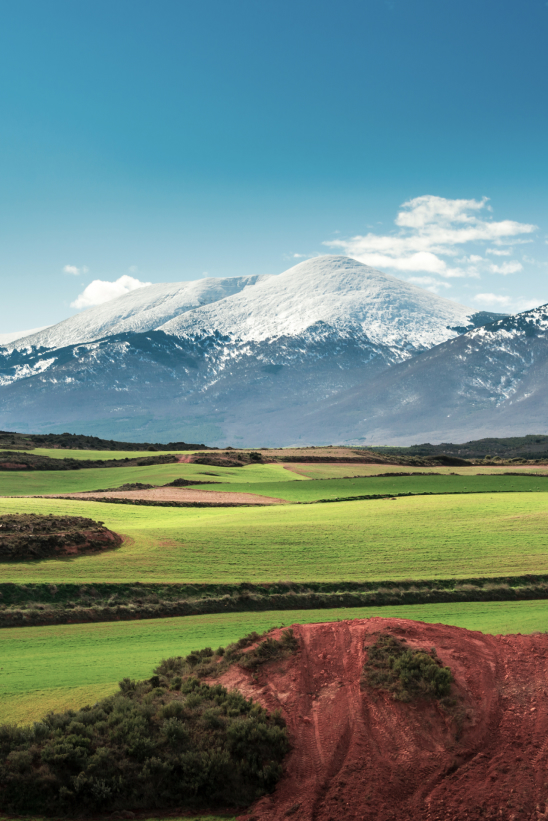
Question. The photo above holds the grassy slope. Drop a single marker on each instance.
(313, 490)
(410, 538)
(38, 482)
(53, 668)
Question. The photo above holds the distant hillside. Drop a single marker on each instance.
(26, 441)
(514, 447)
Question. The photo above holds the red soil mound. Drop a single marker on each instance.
(358, 754)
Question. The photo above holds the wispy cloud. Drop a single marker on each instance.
(506, 268)
(492, 300)
(100, 291)
(429, 283)
(74, 270)
(430, 233)
(502, 301)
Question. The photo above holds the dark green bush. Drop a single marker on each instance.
(209, 664)
(405, 673)
(172, 741)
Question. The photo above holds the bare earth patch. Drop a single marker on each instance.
(359, 755)
(172, 494)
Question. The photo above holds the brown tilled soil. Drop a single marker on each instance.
(25, 537)
(358, 754)
(171, 494)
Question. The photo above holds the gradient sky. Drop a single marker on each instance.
(159, 140)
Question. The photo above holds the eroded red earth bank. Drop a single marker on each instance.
(358, 754)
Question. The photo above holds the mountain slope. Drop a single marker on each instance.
(490, 381)
(141, 310)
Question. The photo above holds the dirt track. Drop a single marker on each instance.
(357, 754)
(170, 494)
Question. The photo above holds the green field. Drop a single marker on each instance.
(422, 537)
(66, 453)
(345, 470)
(53, 668)
(40, 482)
(316, 489)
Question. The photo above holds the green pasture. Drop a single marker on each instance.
(315, 489)
(342, 471)
(61, 453)
(40, 482)
(54, 668)
(420, 537)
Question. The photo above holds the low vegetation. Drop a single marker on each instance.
(72, 441)
(406, 673)
(19, 461)
(28, 537)
(169, 742)
(208, 663)
(46, 604)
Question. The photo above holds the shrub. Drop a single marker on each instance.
(144, 748)
(405, 673)
(171, 741)
(209, 664)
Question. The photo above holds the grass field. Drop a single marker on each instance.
(340, 470)
(316, 489)
(39, 482)
(422, 537)
(53, 668)
(61, 453)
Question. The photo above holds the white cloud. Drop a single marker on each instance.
(100, 291)
(492, 299)
(431, 229)
(499, 252)
(513, 306)
(429, 283)
(506, 268)
(73, 269)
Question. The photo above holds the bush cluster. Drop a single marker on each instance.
(208, 663)
(405, 673)
(172, 741)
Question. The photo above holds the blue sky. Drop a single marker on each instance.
(161, 140)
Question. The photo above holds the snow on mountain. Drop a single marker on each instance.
(337, 291)
(141, 310)
(491, 381)
(5, 339)
(347, 296)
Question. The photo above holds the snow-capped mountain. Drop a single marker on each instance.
(225, 360)
(144, 309)
(491, 381)
(336, 291)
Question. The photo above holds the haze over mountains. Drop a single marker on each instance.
(330, 350)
